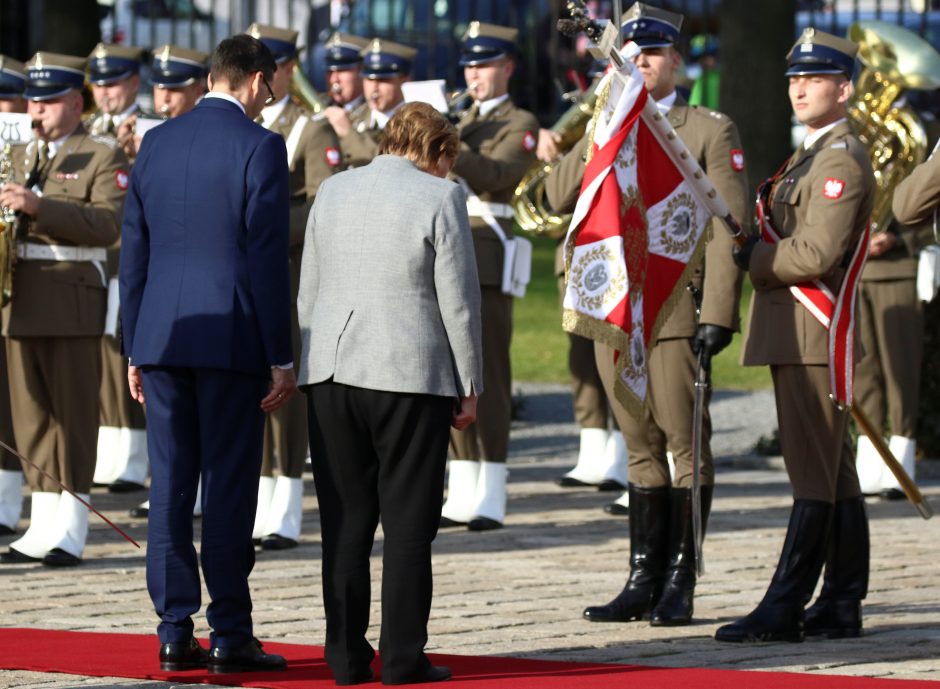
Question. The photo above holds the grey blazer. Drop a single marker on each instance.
(389, 297)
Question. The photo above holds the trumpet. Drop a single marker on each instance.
(456, 98)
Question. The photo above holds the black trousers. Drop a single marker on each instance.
(377, 454)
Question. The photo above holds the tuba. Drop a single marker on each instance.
(7, 229)
(530, 207)
(893, 59)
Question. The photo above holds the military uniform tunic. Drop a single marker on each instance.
(361, 144)
(820, 205)
(56, 317)
(316, 157)
(496, 150)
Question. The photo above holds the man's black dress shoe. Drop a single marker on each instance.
(484, 524)
(892, 494)
(15, 557)
(616, 509)
(139, 512)
(6, 530)
(434, 673)
(184, 655)
(59, 558)
(571, 482)
(245, 658)
(356, 678)
(608, 485)
(277, 542)
(450, 523)
(122, 486)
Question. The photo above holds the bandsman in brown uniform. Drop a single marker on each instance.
(819, 204)
(661, 582)
(12, 84)
(122, 464)
(69, 191)
(497, 146)
(385, 67)
(313, 154)
(343, 73)
(178, 77)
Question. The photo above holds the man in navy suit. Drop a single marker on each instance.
(205, 303)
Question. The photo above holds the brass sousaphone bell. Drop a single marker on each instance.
(893, 59)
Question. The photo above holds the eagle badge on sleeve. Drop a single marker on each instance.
(833, 188)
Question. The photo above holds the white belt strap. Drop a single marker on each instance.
(480, 209)
(28, 251)
(517, 252)
(293, 139)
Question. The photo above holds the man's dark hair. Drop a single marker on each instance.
(235, 59)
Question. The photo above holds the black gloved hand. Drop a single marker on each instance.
(742, 254)
(711, 339)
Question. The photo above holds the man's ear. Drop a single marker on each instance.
(209, 81)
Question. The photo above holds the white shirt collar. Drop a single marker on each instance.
(225, 96)
(487, 106)
(52, 147)
(117, 119)
(664, 104)
(380, 119)
(270, 114)
(353, 104)
(818, 134)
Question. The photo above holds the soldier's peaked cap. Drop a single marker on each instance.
(12, 77)
(50, 75)
(344, 51)
(651, 27)
(484, 43)
(818, 52)
(281, 42)
(175, 67)
(383, 58)
(109, 64)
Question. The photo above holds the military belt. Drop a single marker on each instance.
(479, 209)
(29, 251)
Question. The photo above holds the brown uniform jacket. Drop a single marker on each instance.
(317, 157)
(361, 145)
(820, 206)
(83, 198)
(918, 195)
(495, 152)
(712, 138)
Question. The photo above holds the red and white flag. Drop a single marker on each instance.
(635, 237)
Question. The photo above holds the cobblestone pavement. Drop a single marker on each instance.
(520, 591)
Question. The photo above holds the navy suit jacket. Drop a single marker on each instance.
(204, 245)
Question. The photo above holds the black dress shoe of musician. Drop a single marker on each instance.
(834, 619)
(571, 482)
(14, 557)
(616, 509)
(184, 655)
(608, 485)
(59, 558)
(484, 524)
(139, 512)
(122, 486)
(277, 542)
(6, 530)
(892, 494)
(447, 523)
(248, 657)
(434, 673)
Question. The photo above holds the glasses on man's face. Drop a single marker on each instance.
(270, 98)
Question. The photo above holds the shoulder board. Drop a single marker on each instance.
(108, 141)
(843, 145)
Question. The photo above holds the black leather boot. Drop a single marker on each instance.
(675, 605)
(649, 538)
(837, 613)
(779, 616)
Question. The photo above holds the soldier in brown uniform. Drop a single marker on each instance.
(343, 73)
(12, 84)
(661, 583)
(313, 154)
(497, 146)
(385, 67)
(820, 204)
(69, 191)
(917, 197)
(122, 464)
(178, 78)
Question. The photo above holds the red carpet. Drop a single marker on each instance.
(135, 656)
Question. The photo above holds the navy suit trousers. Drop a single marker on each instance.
(203, 423)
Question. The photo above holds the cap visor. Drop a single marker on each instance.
(39, 93)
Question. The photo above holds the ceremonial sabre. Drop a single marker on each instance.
(61, 485)
(702, 384)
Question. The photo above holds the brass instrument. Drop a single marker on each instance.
(7, 227)
(893, 59)
(303, 93)
(457, 97)
(529, 204)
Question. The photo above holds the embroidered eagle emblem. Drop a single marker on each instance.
(833, 188)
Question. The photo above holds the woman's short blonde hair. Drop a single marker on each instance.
(421, 134)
